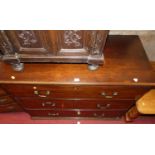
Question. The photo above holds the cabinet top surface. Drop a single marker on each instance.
(125, 64)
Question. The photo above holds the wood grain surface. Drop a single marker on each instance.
(153, 65)
(125, 64)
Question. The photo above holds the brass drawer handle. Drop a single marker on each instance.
(53, 114)
(115, 93)
(103, 107)
(103, 94)
(37, 92)
(109, 96)
(52, 104)
(78, 113)
(96, 115)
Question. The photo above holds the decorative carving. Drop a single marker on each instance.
(27, 37)
(1, 54)
(71, 37)
(5, 44)
(95, 43)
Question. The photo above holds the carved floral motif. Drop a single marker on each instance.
(71, 37)
(96, 41)
(5, 44)
(27, 37)
(5, 47)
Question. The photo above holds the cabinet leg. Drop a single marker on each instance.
(131, 114)
(93, 67)
(18, 66)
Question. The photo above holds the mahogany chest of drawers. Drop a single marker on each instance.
(72, 91)
(75, 101)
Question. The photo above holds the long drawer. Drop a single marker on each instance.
(104, 92)
(36, 103)
(75, 113)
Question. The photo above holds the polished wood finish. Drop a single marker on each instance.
(125, 61)
(71, 90)
(136, 111)
(63, 91)
(153, 64)
(146, 104)
(75, 113)
(7, 103)
(2, 92)
(132, 114)
(36, 103)
(65, 46)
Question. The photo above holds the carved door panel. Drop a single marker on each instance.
(30, 41)
(5, 45)
(81, 42)
(57, 43)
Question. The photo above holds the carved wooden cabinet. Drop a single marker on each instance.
(66, 46)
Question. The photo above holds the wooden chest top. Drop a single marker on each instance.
(126, 63)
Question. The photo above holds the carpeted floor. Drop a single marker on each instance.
(24, 118)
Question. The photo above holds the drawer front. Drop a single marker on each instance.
(75, 113)
(104, 92)
(34, 103)
(12, 107)
(5, 100)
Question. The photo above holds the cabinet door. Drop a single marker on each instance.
(81, 42)
(58, 43)
(30, 41)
